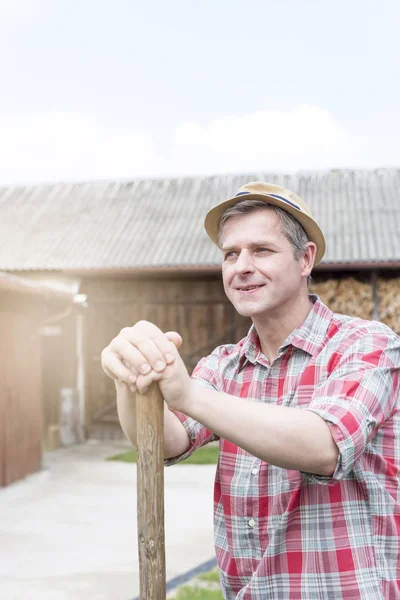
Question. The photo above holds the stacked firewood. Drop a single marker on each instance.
(347, 296)
(389, 302)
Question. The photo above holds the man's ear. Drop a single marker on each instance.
(308, 259)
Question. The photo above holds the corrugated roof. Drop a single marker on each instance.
(159, 223)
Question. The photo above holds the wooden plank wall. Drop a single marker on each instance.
(197, 308)
(21, 423)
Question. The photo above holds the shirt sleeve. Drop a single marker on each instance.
(358, 397)
(206, 374)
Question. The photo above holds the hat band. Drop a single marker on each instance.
(273, 196)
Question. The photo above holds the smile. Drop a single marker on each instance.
(249, 288)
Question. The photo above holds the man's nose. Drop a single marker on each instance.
(244, 263)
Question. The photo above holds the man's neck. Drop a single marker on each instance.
(273, 330)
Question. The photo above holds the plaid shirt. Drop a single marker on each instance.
(284, 534)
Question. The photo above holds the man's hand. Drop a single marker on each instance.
(143, 354)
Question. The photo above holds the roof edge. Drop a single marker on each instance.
(14, 283)
(216, 269)
(358, 265)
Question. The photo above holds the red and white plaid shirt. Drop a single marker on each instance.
(284, 534)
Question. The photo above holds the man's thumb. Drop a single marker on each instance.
(175, 338)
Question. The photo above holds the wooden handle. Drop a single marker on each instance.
(150, 493)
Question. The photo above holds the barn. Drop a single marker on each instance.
(26, 309)
(137, 250)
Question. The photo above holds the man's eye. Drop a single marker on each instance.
(230, 255)
(262, 249)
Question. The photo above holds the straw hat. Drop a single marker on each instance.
(277, 196)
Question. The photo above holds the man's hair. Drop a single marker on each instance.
(292, 229)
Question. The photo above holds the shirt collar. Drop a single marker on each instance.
(309, 336)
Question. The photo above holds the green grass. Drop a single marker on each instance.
(207, 588)
(196, 593)
(203, 456)
(129, 457)
(210, 576)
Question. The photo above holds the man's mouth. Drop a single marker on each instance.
(248, 288)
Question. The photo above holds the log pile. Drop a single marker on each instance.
(346, 296)
(389, 302)
(355, 298)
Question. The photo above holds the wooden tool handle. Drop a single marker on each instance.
(150, 493)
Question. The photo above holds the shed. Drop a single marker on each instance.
(139, 250)
(24, 306)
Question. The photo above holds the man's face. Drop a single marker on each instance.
(261, 276)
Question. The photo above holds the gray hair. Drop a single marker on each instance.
(292, 229)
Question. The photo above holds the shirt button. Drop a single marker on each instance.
(254, 471)
(252, 523)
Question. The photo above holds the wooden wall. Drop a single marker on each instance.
(21, 414)
(198, 309)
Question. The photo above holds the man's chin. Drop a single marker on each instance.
(248, 311)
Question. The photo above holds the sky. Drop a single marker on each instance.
(119, 89)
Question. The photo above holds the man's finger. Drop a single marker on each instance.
(144, 347)
(131, 356)
(113, 367)
(143, 382)
(175, 338)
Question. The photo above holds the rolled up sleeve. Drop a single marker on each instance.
(357, 398)
(205, 375)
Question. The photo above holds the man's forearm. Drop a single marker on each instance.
(176, 440)
(283, 436)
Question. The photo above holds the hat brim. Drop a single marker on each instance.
(211, 222)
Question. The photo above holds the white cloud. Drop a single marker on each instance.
(18, 8)
(72, 146)
(304, 138)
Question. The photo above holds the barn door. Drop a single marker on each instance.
(20, 398)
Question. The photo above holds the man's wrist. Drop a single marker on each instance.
(189, 402)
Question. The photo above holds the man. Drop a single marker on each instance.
(306, 410)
